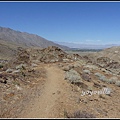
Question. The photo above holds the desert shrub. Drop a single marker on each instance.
(73, 76)
(86, 71)
(80, 114)
(103, 78)
(98, 74)
(117, 83)
(111, 81)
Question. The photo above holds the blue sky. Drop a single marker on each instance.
(77, 22)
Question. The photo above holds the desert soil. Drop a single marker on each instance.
(57, 96)
(47, 104)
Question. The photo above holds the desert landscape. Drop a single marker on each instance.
(41, 79)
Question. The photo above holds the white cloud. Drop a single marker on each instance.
(98, 40)
(89, 40)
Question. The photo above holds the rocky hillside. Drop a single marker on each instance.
(70, 85)
(108, 58)
(113, 53)
(7, 49)
(11, 39)
(26, 39)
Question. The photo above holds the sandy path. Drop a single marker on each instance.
(46, 105)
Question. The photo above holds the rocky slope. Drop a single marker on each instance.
(80, 87)
(108, 59)
(26, 39)
(11, 39)
(112, 53)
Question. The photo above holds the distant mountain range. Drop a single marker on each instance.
(86, 46)
(10, 40)
(25, 39)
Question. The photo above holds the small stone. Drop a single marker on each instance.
(86, 71)
(9, 70)
(117, 83)
(16, 71)
(21, 66)
(86, 77)
(67, 68)
(18, 87)
(34, 65)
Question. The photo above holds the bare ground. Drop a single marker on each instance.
(47, 105)
(54, 96)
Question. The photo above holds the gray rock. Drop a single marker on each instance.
(1, 72)
(103, 78)
(69, 56)
(9, 70)
(71, 66)
(18, 87)
(60, 65)
(35, 61)
(66, 60)
(34, 65)
(86, 77)
(92, 67)
(117, 83)
(21, 66)
(52, 61)
(98, 74)
(66, 68)
(9, 80)
(103, 70)
(86, 71)
(16, 71)
(76, 65)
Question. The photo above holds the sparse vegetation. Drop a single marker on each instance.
(111, 81)
(79, 114)
(117, 83)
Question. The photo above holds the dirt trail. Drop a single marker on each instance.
(46, 105)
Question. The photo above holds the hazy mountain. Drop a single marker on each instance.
(86, 46)
(10, 40)
(25, 39)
